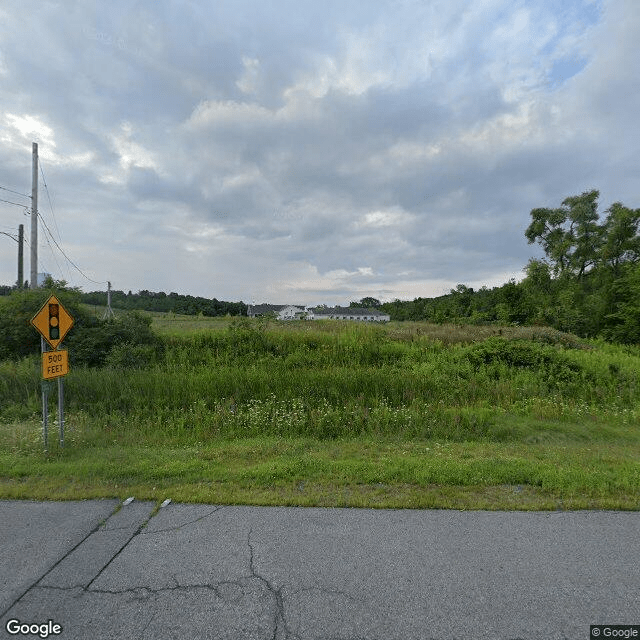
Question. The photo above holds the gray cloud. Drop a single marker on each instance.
(314, 151)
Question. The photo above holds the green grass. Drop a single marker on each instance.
(351, 473)
(336, 414)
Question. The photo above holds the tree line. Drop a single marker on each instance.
(588, 283)
(160, 301)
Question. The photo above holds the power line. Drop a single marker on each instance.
(4, 233)
(45, 269)
(55, 222)
(24, 206)
(16, 192)
(71, 262)
(46, 237)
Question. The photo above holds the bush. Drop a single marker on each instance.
(19, 337)
(109, 340)
(547, 361)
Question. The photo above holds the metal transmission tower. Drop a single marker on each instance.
(108, 312)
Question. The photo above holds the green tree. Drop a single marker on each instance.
(367, 303)
(623, 324)
(622, 241)
(19, 337)
(570, 235)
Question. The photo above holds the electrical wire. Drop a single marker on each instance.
(71, 262)
(46, 237)
(4, 233)
(55, 222)
(18, 204)
(44, 267)
(48, 231)
(16, 192)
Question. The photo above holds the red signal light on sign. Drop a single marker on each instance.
(54, 322)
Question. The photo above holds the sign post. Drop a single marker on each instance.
(53, 322)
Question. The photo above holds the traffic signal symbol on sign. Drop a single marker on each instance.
(52, 321)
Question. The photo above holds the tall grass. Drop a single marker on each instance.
(331, 380)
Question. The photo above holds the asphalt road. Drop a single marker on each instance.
(101, 570)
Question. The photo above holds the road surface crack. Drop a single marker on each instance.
(281, 630)
(115, 555)
(62, 559)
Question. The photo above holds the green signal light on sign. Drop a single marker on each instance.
(54, 322)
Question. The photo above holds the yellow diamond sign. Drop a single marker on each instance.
(52, 321)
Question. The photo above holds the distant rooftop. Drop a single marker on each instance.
(344, 311)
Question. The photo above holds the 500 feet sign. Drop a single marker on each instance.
(49, 628)
(55, 364)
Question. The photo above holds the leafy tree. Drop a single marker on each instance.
(120, 341)
(367, 303)
(622, 241)
(623, 324)
(570, 235)
(160, 301)
(19, 337)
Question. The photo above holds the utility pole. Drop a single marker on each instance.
(20, 256)
(33, 281)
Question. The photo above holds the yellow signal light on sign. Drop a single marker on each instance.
(54, 322)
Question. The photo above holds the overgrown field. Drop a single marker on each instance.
(407, 414)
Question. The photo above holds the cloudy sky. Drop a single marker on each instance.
(310, 151)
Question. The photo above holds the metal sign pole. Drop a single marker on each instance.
(45, 405)
(61, 410)
(53, 322)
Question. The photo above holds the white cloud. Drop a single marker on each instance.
(30, 127)
(248, 82)
(219, 113)
(385, 218)
(394, 150)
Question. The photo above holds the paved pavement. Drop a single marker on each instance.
(101, 570)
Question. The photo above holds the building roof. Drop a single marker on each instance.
(347, 311)
(271, 308)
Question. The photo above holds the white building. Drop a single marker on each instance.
(357, 314)
(300, 312)
(279, 311)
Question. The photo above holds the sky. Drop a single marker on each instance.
(306, 152)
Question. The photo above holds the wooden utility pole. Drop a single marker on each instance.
(20, 256)
(33, 280)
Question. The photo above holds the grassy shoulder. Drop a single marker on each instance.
(552, 471)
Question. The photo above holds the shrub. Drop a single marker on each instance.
(107, 341)
(548, 362)
(19, 338)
